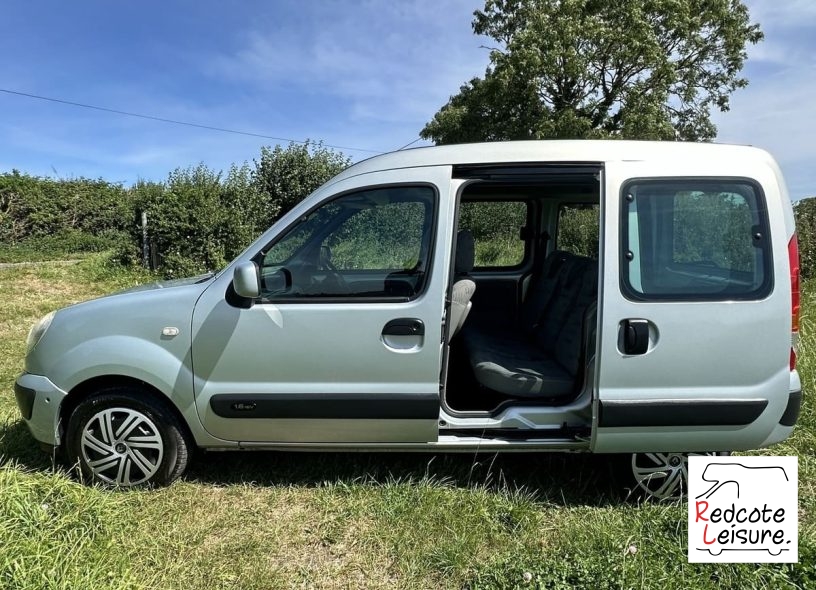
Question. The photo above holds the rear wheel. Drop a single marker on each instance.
(660, 476)
(123, 438)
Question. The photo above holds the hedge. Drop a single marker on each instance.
(198, 219)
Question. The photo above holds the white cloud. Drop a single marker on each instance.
(71, 149)
(788, 27)
(391, 63)
(783, 13)
(770, 52)
(775, 112)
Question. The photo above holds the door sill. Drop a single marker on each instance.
(445, 444)
(570, 433)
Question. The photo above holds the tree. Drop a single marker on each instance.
(198, 219)
(287, 176)
(645, 69)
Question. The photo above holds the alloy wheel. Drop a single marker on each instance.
(122, 446)
(661, 476)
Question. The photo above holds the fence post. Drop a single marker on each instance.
(145, 246)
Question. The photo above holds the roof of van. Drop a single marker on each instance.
(565, 151)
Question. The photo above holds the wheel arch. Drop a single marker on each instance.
(89, 387)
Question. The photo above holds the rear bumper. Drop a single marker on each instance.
(791, 414)
(39, 402)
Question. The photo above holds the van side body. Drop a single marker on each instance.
(432, 299)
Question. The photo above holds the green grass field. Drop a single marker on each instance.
(288, 520)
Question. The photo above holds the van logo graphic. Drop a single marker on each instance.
(743, 510)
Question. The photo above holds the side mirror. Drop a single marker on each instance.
(246, 281)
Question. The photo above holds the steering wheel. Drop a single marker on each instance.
(333, 282)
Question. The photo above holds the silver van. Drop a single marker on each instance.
(593, 296)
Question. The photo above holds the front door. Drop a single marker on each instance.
(695, 323)
(343, 345)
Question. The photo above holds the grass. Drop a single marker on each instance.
(283, 520)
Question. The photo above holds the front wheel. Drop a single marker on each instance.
(121, 437)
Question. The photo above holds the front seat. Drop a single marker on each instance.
(464, 287)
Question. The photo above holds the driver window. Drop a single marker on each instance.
(373, 243)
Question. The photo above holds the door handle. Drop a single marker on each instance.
(635, 336)
(404, 327)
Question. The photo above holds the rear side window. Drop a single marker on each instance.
(496, 228)
(694, 240)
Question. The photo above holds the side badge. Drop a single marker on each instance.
(244, 406)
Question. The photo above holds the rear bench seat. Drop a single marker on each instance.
(540, 358)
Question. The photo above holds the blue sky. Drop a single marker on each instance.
(359, 74)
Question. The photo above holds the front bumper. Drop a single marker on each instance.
(39, 401)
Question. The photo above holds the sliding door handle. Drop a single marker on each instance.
(635, 336)
(404, 327)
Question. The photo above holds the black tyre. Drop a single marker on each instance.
(121, 437)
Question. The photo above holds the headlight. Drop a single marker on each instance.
(37, 330)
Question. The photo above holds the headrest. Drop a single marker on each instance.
(465, 252)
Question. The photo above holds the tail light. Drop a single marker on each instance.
(793, 258)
